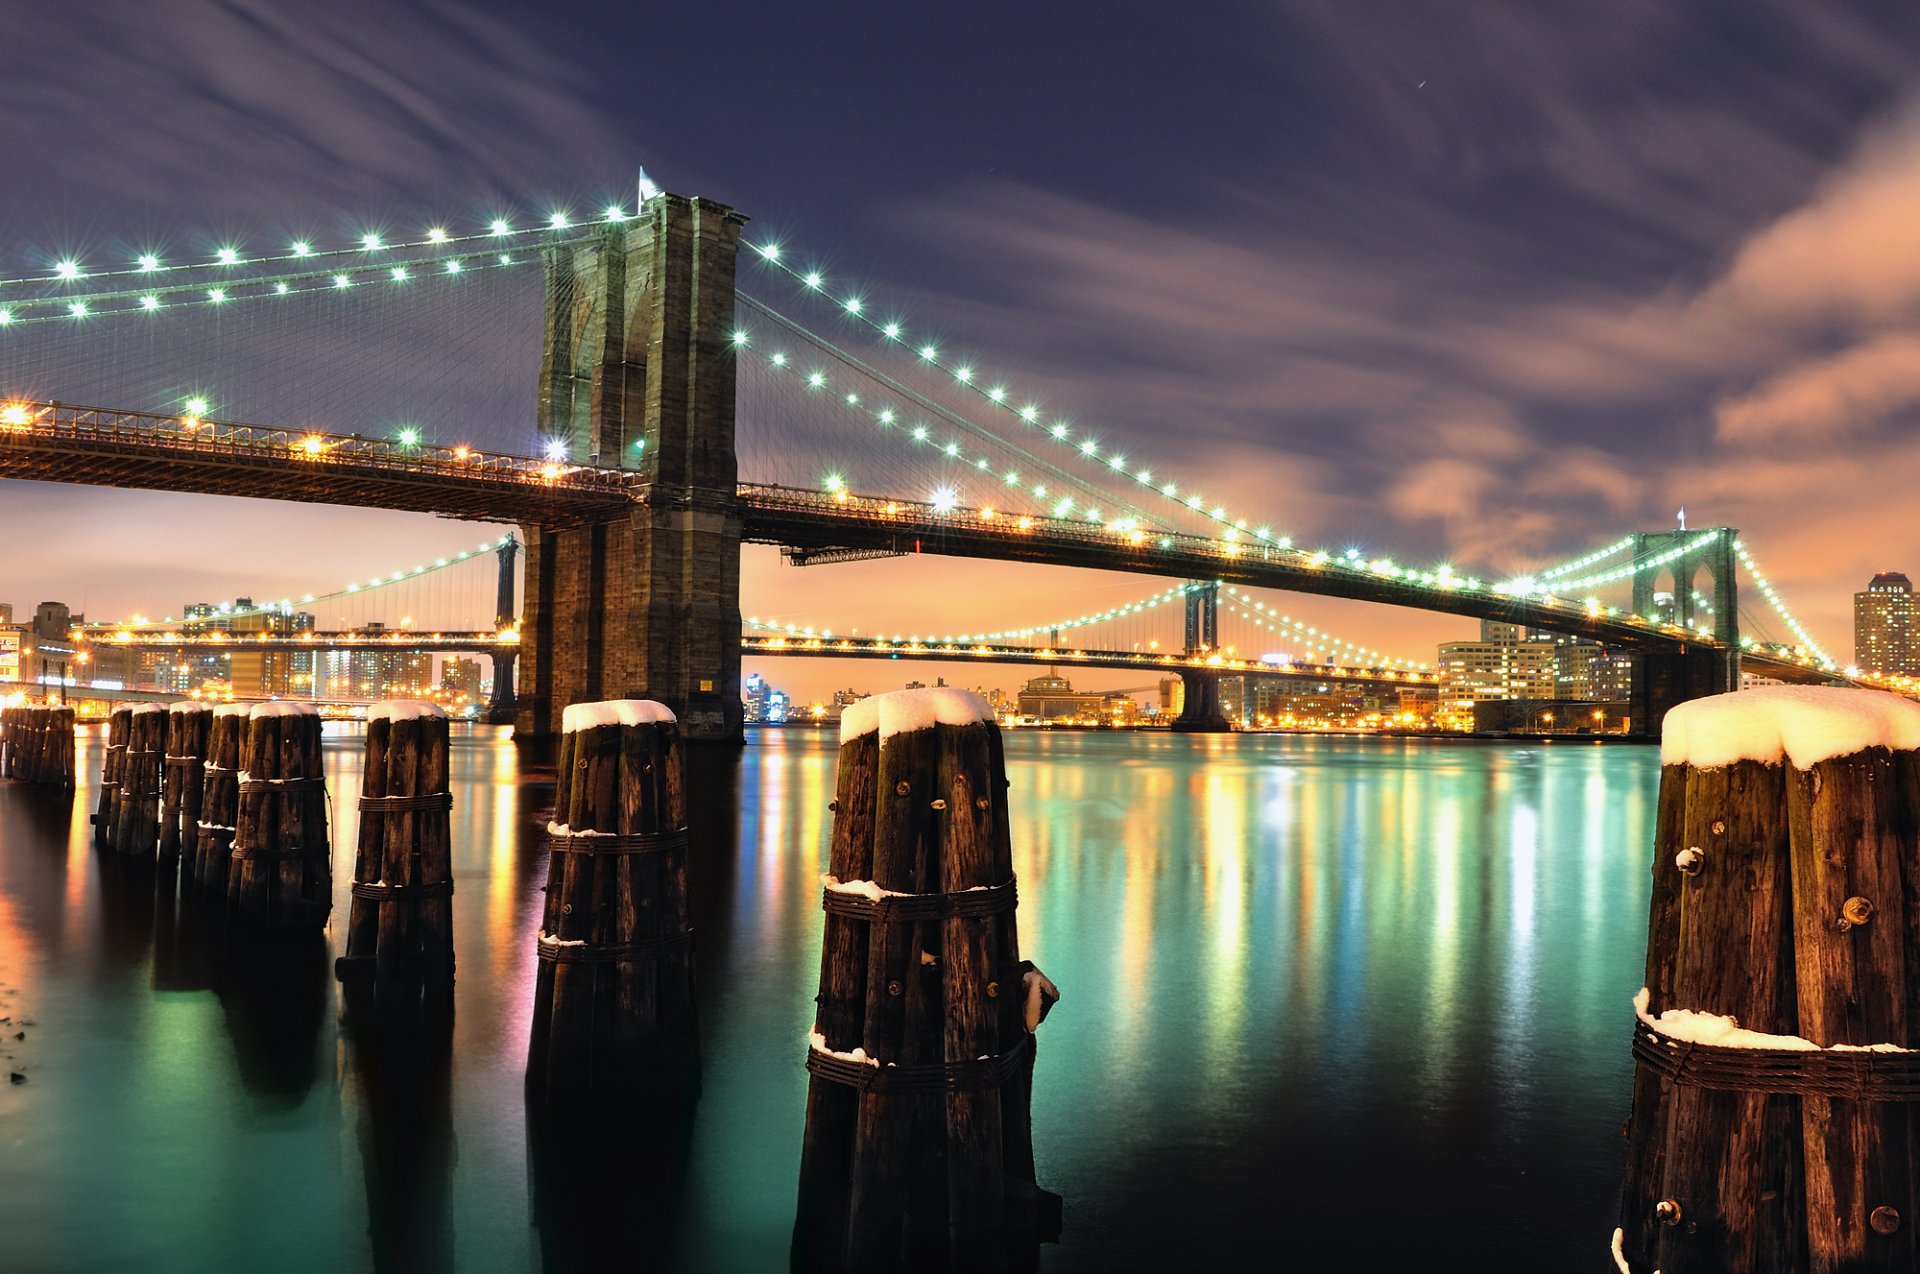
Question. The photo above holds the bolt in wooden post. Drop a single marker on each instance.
(119, 725)
(186, 774)
(911, 1159)
(220, 797)
(613, 1000)
(1786, 900)
(401, 922)
(281, 872)
(136, 820)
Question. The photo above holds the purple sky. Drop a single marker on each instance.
(1488, 283)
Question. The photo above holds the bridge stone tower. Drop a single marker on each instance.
(1200, 711)
(638, 372)
(1664, 679)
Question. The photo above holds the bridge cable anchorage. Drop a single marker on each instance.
(856, 310)
(887, 416)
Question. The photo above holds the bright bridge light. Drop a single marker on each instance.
(945, 500)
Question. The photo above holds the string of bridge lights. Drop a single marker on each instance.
(70, 269)
(1780, 607)
(1032, 630)
(999, 396)
(286, 604)
(1263, 616)
(1598, 555)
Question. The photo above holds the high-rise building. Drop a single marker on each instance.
(460, 680)
(1884, 635)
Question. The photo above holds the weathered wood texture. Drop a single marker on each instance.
(119, 724)
(919, 1163)
(400, 925)
(136, 818)
(185, 776)
(36, 744)
(613, 996)
(219, 803)
(1800, 916)
(281, 871)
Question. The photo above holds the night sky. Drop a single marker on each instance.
(1491, 283)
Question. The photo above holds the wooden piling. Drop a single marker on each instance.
(613, 997)
(136, 817)
(1786, 898)
(119, 724)
(911, 1158)
(36, 744)
(281, 870)
(400, 925)
(219, 798)
(185, 777)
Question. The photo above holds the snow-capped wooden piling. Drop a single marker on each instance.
(1776, 1107)
(400, 925)
(36, 744)
(219, 798)
(281, 873)
(613, 999)
(185, 775)
(136, 814)
(119, 725)
(918, 1149)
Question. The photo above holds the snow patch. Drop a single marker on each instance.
(284, 708)
(818, 1043)
(864, 888)
(405, 710)
(552, 941)
(585, 716)
(140, 709)
(561, 829)
(1803, 724)
(232, 709)
(188, 706)
(1694, 1027)
(901, 711)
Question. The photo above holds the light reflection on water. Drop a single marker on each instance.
(1310, 985)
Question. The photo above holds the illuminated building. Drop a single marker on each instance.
(1884, 637)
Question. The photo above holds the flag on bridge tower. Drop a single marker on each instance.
(647, 189)
(1683, 517)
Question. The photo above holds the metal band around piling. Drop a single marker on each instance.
(931, 1077)
(380, 890)
(562, 951)
(262, 854)
(889, 908)
(182, 762)
(1856, 1074)
(426, 802)
(281, 785)
(623, 843)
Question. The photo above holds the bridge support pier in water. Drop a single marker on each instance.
(1200, 711)
(638, 371)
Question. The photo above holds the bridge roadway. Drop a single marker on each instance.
(55, 442)
(403, 641)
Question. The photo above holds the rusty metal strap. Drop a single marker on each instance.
(628, 843)
(1854, 1074)
(281, 785)
(930, 1077)
(562, 952)
(214, 767)
(133, 752)
(379, 890)
(182, 762)
(428, 801)
(890, 908)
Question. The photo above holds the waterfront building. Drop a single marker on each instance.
(1884, 636)
(460, 680)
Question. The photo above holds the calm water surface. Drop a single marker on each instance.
(1317, 994)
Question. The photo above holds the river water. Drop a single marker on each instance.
(1319, 994)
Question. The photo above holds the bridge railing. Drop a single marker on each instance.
(197, 434)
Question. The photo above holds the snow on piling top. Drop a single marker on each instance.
(404, 710)
(138, 708)
(1802, 724)
(232, 709)
(899, 711)
(284, 708)
(585, 716)
(189, 705)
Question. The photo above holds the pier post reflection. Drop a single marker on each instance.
(399, 1080)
